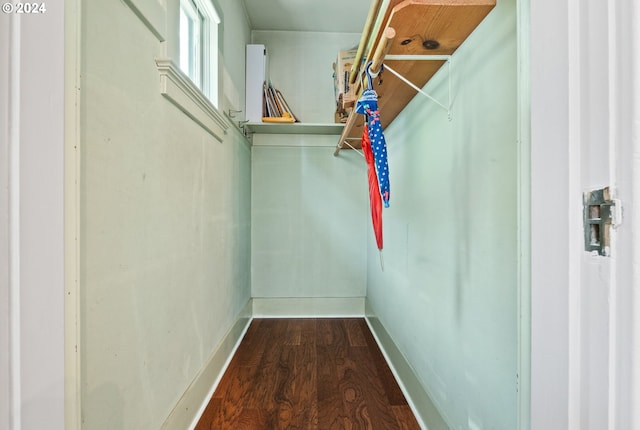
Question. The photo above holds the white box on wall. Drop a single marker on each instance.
(256, 75)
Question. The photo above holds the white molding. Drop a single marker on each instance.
(183, 93)
(634, 342)
(524, 214)
(314, 129)
(309, 307)
(192, 404)
(190, 407)
(419, 400)
(15, 307)
(577, 377)
(5, 363)
(72, 209)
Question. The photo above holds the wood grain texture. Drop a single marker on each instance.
(315, 374)
(449, 22)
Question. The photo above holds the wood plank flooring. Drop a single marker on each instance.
(312, 374)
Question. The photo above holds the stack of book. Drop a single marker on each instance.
(275, 107)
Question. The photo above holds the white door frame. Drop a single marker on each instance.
(32, 219)
(559, 355)
(6, 363)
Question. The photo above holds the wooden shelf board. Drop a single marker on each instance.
(295, 128)
(449, 22)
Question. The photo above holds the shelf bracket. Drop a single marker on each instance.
(446, 58)
(446, 107)
(346, 142)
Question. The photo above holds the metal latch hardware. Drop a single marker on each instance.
(600, 212)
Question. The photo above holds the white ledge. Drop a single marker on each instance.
(183, 93)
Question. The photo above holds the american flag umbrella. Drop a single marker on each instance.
(375, 151)
(368, 105)
(374, 190)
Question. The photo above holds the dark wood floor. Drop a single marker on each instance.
(321, 374)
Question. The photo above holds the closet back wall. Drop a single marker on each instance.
(309, 208)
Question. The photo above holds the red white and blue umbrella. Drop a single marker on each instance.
(374, 147)
(375, 199)
(368, 105)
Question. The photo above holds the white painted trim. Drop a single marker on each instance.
(308, 307)
(425, 411)
(550, 361)
(36, 224)
(190, 407)
(72, 181)
(5, 363)
(574, 246)
(192, 404)
(634, 346)
(185, 95)
(613, 98)
(15, 348)
(524, 215)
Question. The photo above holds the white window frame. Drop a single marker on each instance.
(200, 61)
(191, 51)
(199, 102)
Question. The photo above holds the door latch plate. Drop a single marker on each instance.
(598, 210)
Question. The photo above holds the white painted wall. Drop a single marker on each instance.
(31, 220)
(164, 221)
(448, 293)
(308, 238)
(584, 308)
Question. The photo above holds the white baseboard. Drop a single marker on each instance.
(423, 408)
(191, 405)
(308, 307)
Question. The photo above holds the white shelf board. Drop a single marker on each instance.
(294, 128)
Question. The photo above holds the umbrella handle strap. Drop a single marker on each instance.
(368, 72)
(371, 75)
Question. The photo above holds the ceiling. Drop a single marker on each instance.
(338, 16)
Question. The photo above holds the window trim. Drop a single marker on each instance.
(196, 51)
(211, 41)
(178, 88)
(182, 92)
(205, 52)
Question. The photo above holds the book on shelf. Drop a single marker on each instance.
(274, 106)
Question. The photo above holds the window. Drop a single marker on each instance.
(191, 23)
(199, 45)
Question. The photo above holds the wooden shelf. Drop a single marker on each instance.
(447, 22)
(294, 128)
